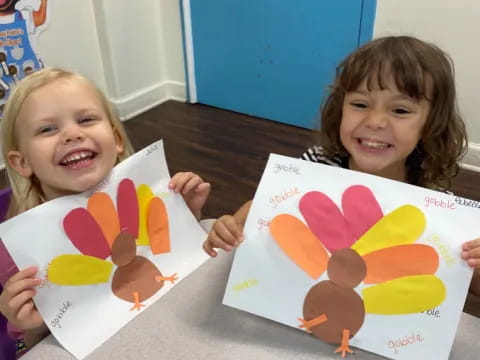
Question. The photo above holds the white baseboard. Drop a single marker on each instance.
(145, 99)
(471, 161)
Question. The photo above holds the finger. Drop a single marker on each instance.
(25, 311)
(174, 180)
(217, 242)
(19, 300)
(235, 228)
(474, 253)
(471, 244)
(203, 188)
(30, 316)
(191, 184)
(13, 289)
(181, 180)
(226, 231)
(207, 246)
(474, 262)
(28, 272)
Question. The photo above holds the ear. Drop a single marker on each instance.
(17, 161)
(118, 142)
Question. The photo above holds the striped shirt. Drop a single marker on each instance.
(318, 155)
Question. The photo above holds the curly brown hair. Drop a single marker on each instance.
(422, 71)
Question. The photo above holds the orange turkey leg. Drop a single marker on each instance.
(172, 278)
(344, 348)
(136, 298)
(308, 324)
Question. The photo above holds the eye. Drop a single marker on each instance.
(359, 104)
(86, 119)
(401, 111)
(48, 129)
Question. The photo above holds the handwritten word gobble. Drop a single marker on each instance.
(45, 283)
(405, 341)
(61, 312)
(431, 201)
(432, 312)
(245, 285)
(275, 200)
(262, 223)
(286, 168)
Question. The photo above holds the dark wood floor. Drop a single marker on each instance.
(230, 149)
(226, 148)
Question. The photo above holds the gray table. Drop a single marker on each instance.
(190, 322)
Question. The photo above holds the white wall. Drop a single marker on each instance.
(71, 40)
(454, 26)
(131, 49)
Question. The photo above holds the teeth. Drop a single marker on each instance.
(76, 157)
(375, 144)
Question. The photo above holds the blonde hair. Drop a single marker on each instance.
(416, 66)
(26, 192)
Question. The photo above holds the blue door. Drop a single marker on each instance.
(270, 58)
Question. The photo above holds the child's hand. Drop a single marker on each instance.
(471, 253)
(193, 189)
(16, 300)
(226, 233)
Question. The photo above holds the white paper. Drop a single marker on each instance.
(83, 317)
(264, 281)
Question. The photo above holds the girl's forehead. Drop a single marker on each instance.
(60, 98)
(415, 84)
(63, 88)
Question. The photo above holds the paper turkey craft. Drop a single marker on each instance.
(101, 231)
(365, 246)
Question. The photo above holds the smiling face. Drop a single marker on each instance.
(380, 128)
(65, 138)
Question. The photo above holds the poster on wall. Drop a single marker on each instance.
(21, 22)
(108, 254)
(354, 259)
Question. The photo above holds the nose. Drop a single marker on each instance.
(72, 133)
(376, 119)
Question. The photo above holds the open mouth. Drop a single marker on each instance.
(77, 159)
(374, 144)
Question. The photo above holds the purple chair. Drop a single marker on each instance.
(7, 344)
(4, 201)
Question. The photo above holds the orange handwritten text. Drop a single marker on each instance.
(405, 341)
(45, 283)
(275, 200)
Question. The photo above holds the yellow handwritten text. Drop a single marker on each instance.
(443, 249)
(245, 285)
